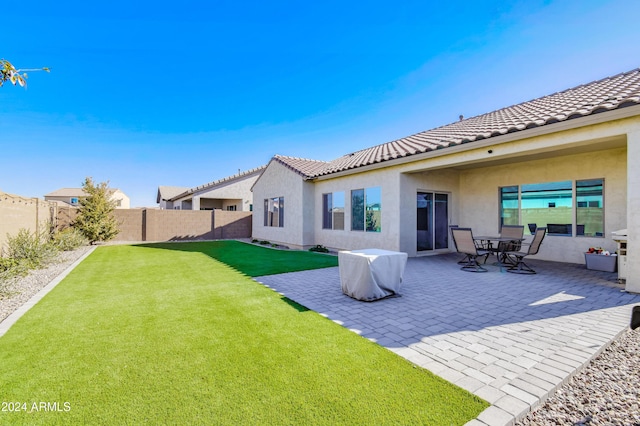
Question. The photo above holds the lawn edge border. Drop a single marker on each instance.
(6, 324)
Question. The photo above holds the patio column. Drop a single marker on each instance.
(633, 212)
(195, 203)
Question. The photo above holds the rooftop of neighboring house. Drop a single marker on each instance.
(168, 192)
(608, 94)
(72, 192)
(172, 193)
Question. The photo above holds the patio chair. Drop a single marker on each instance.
(520, 267)
(464, 243)
(465, 259)
(510, 231)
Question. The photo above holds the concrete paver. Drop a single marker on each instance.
(510, 339)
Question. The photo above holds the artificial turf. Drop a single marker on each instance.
(151, 335)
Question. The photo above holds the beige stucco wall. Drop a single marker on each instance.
(279, 181)
(121, 199)
(442, 181)
(633, 211)
(479, 197)
(18, 212)
(388, 237)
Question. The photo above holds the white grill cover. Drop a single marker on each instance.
(371, 274)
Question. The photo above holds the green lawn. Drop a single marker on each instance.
(167, 334)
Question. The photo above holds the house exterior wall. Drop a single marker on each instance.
(472, 174)
(633, 211)
(279, 181)
(442, 181)
(122, 200)
(388, 238)
(479, 197)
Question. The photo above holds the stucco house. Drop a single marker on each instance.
(569, 160)
(71, 196)
(231, 193)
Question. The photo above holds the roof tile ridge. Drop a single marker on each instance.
(541, 98)
(280, 156)
(222, 180)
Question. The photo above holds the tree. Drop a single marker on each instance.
(15, 76)
(95, 216)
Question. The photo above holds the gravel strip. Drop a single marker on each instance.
(606, 392)
(20, 290)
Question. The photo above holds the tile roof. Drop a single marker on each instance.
(218, 182)
(168, 192)
(603, 95)
(305, 167)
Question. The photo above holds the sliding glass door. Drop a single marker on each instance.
(432, 221)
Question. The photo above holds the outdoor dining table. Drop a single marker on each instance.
(501, 255)
(371, 274)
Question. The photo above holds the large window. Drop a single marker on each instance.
(333, 210)
(366, 209)
(552, 204)
(548, 204)
(274, 212)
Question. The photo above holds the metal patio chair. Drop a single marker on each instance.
(510, 231)
(463, 240)
(520, 267)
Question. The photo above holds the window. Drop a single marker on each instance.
(232, 208)
(509, 207)
(366, 209)
(74, 201)
(589, 210)
(551, 205)
(274, 212)
(333, 210)
(548, 204)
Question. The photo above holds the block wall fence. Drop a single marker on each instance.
(18, 212)
(181, 225)
(33, 214)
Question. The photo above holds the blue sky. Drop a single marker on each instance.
(143, 94)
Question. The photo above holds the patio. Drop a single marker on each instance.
(510, 339)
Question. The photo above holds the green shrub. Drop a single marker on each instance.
(319, 249)
(31, 249)
(264, 242)
(7, 263)
(10, 268)
(69, 239)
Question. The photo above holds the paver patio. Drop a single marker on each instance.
(510, 339)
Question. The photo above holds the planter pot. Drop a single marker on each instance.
(599, 262)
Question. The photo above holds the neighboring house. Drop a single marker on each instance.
(71, 196)
(166, 193)
(232, 193)
(567, 161)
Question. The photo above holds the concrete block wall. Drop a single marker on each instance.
(229, 224)
(177, 225)
(130, 224)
